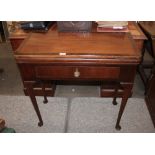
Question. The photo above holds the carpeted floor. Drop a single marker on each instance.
(73, 109)
(79, 114)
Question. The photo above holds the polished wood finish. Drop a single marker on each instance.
(133, 28)
(38, 90)
(16, 39)
(72, 72)
(139, 38)
(69, 43)
(15, 43)
(29, 85)
(18, 36)
(54, 57)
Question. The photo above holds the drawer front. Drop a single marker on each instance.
(76, 72)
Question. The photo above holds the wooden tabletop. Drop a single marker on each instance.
(149, 27)
(53, 43)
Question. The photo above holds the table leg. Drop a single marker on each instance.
(44, 93)
(126, 95)
(29, 87)
(115, 94)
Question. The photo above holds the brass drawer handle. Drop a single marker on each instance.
(76, 73)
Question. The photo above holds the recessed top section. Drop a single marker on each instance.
(79, 45)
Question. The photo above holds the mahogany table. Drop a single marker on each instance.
(108, 58)
(18, 36)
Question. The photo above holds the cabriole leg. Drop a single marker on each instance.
(29, 87)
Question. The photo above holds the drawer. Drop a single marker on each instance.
(76, 72)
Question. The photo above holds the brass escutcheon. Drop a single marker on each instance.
(76, 73)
